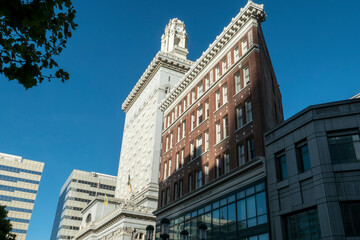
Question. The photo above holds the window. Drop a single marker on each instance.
(241, 154)
(350, 213)
(192, 151)
(200, 115)
(211, 76)
(226, 163)
(218, 132)
(188, 99)
(176, 111)
(185, 104)
(281, 166)
(218, 166)
(168, 120)
(180, 188)
(180, 109)
(223, 64)
(236, 53)
(182, 156)
(172, 116)
(217, 99)
(239, 117)
(246, 76)
(248, 111)
(199, 146)
(193, 121)
(200, 89)
(190, 182)
(237, 83)
(171, 140)
(217, 72)
(303, 225)
(206, 109)
(207, 141)
(179, 133)
(167, 143)
(303, 157)
(170, 167)
(193, 96)
(198, 179)
(344, 146)
(183, 129)
(165, 170)
(226, 126)
(244, 46)
(175, 191)
(163, 198)
(207, 83)
(229, 60)
(177, 160)
(251, 149)
(167, 195)
(225, 97)
(206, 167)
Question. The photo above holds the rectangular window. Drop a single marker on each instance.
(171, 140)
(170, 167)
(180, 188)
(207, 83)
(217, 72)
(206, 167)
(211, 77)
(236, 53)
(199, 146)
(241, 154)
(350, 213)
(179, 133)
(198, 179)
(281, 166)
(344, 146)
(190, 182)
(167, 195)
(246, 76)
(207, 109)
(188, 99)
(303, 157)
(192, 151)
(200, 89)
(193, 96)
(183, 129)
(248, 110)
(223, 64)
(239, 118)
(225, 94)
(218, 166)
(176, 111)
(217, 99)
(182, 156)
(251, 149)
(207, 141)
(180, 109)
(303, 225)
(218, 132)
(185, 104)
(193, 123)
(163, 198)
(167, 143)
(173, 116)
(229, 60)
(177, 160)
(165, 170)
(226, 163)
(244, 47)
(237, 83)
(200, 115)
(226, 126)
(168, 120)
(175, 191)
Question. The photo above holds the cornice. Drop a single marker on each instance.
(167, 60)
(250, 10)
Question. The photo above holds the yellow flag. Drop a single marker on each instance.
(106, 200)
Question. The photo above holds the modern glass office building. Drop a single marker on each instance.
(19, 183)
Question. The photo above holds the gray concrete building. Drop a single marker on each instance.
(19, 183)
(313, 167)
(77, 192)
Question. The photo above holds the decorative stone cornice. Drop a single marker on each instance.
(251, 10)
(167, 60)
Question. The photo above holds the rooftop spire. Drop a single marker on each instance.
(174, 40)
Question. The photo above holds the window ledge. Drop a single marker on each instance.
(221, 141)
(220, 108)
(242, 90)
(305, 175)
(344, 167)
(243, 126)
(198, 125)
(283, 183)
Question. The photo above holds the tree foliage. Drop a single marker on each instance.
(5, 225)
(32, 32)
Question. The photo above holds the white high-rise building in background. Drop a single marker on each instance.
(78, 191)
(19, 183)
(127, 216)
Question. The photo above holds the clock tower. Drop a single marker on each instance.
(174, 40)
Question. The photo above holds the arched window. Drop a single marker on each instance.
(167, 90)
(88, 218)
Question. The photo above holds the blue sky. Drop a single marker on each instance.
(314, 47)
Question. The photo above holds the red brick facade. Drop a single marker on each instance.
(260, 101)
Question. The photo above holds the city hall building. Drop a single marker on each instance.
(212, 168)
(19, 183)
